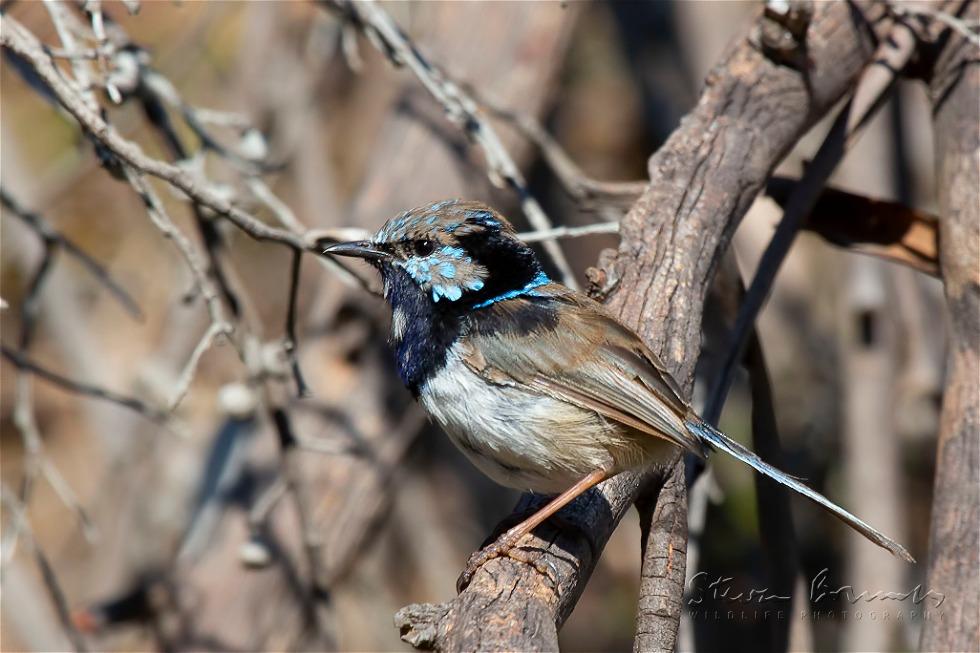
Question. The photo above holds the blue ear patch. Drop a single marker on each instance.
(452, 252)
(446, 273)
(448, 270)
(419, 269)
(452, 293)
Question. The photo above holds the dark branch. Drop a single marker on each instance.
(21, 362)
(873, 88)
(291, 344)
(880, 228)
(52, 237)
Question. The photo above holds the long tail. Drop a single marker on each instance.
(716, 438)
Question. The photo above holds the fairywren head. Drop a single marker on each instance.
(455, 253)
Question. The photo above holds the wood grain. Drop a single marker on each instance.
(954, 534)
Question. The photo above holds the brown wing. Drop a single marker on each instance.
(586, 358)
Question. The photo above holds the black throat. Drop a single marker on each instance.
(429, 330)
(424, 331)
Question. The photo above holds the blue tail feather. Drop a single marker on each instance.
(715, 438)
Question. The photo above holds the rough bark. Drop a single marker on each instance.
(702, 181)
(954, 537)
(663, 518)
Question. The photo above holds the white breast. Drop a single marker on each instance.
(518, 438)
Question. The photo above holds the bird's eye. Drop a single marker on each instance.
(424, 247)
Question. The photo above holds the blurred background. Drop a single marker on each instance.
(191, 538)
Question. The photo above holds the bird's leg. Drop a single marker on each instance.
(506, 542)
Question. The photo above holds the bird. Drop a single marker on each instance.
(538, 385)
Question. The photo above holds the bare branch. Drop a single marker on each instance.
(55, 592)
(869, 226)
(290, 342)
(37, 463)
(66, 24)
(966, 29)
(569, 232)
(575, 182)
(23, 363)
(461, 110)
(22, 42)
(52, 237)
(215, 330)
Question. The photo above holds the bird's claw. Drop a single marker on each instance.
(505, 546)
(502, 547)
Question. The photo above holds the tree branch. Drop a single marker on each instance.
(461, 109)
(23, 43)
(21, 362)
(954, 531)
(53, 237)
(874, 227)
(873, 87)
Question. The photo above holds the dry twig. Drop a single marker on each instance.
(50, 579)
(461, 109)
(21, 362)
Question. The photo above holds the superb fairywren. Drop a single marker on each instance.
(538, 385)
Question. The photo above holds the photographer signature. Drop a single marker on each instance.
(820, 588)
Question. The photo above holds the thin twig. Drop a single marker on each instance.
(51, 236)
(153, 97)
(65, 24)
(160, 218)
(215, 330)
(569, 232)
(31, 304)
(279, 209)
(37, 462)
(461, 109)
(55, 591)
(291, 474)
(22, 362)
(25, 45)
(576, 183)
(263, 506)
(290, 342)
(959, 25)
(22, 42)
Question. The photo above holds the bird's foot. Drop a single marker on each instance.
(504, 546)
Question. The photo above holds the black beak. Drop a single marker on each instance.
(364, 249)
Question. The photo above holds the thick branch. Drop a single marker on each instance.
(702, 182)
(954, 534)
